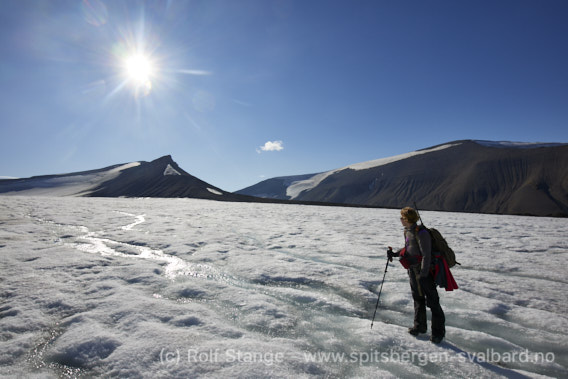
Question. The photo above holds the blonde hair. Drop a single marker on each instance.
(409, 214)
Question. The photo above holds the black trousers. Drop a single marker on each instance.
(425, 294)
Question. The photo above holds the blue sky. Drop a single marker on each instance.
(242, 90)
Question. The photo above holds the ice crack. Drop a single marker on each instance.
(139, 220)
(95, 243)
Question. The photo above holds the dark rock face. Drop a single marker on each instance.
(159, 178)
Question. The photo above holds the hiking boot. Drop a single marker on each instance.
(416, 331)
(436, 339)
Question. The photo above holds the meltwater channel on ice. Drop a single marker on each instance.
(195, 288)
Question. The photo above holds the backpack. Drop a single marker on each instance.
(439, 244)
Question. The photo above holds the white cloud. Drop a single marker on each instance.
(271, 146)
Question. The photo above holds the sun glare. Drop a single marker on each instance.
(138, 68)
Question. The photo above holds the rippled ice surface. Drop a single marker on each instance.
(181, 287)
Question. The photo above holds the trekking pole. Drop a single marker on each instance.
(378, 298)
(418, 213)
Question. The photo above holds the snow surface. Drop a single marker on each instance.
(296, 188)
(72, 185)
(190, 288)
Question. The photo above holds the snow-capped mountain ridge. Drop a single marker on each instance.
(460, 176)
(468, 175)
(159, 178)
(297, 187)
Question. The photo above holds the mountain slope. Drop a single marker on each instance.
(159, 178)
(471, 176)
(275, 188)
(72, 184)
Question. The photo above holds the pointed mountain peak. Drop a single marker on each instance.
(167, 166)
(165, 159)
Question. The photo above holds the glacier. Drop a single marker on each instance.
(198, 288)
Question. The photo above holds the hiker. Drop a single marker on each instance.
(416, 257)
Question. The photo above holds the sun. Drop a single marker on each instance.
(138, 68)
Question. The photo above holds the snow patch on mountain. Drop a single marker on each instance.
(213, 191)
(117, 170)
(519, 145)
(296, 188)
(384, 161)
(170, 170)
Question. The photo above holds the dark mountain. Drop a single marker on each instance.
(159, 178)
(461, 176)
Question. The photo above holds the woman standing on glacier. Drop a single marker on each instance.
(416, 257)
